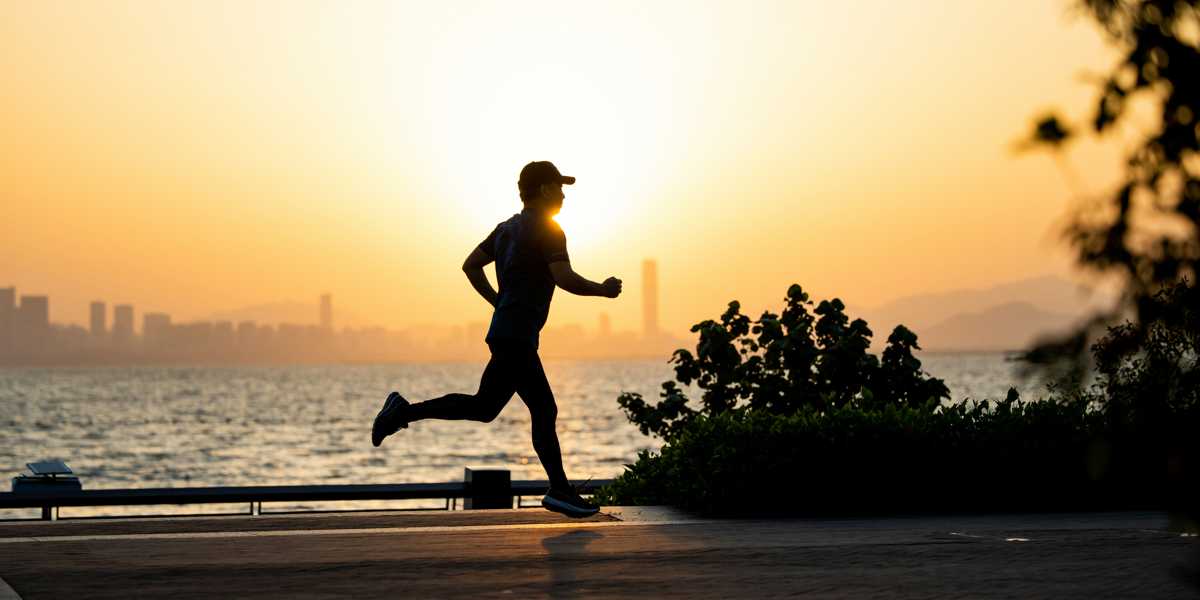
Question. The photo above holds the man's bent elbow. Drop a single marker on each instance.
(562, 274)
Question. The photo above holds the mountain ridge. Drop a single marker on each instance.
(1007, 316)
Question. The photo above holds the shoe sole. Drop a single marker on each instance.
(569, 510)
(388, 406)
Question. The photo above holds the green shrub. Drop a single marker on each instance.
(795, 415)
(1150, 370)
(802, 358)
(1004, 456)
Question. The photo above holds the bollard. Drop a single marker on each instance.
(487, 488)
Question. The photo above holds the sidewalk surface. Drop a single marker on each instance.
(647, 553)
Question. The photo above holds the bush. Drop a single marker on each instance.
(802, 358)
(1149, 370)
(1004, 456)
(796, 416)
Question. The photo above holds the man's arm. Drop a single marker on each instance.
(566, 278)
(473, 267)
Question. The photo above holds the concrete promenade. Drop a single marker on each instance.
(647, 553)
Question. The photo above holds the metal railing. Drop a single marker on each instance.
(50, 500)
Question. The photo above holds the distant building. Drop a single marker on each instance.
(99, 323)
(156, 330)
(649, 298)
(122, 329)
(223, 337)
(68, 340)
(265, 336)
(8, 310)
(247, 332)
(327, 312)
(605, 329)
(35, 311)
(31, 324)
(290, 337)
(194, 338)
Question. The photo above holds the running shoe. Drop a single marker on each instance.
(569, 502)
(390, 418)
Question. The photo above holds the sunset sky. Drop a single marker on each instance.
(192, 157)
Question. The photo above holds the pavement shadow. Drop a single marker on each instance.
(567, 553)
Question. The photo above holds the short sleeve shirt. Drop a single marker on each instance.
(523, 248)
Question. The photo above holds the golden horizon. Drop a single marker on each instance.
(196, 158)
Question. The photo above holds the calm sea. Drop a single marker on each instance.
(172, 427)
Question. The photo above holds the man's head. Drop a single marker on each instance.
(541, 184)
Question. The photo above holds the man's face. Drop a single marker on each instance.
(552, 196)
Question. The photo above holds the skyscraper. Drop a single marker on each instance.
(122, 329)
(32, 322)
(649, 298)
(98, 321)
(327, 312)
(8, 309)
(605, 329)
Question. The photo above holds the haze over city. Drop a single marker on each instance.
(279, 334)
(365, 153)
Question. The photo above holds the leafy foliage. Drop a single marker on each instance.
(1149, 370)
(802, 358)
(1008, 455)
(1148, 230)
(797, 417)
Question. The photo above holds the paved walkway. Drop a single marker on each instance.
(627, 552)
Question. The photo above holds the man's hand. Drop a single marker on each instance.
(611, 287)
(566, 278)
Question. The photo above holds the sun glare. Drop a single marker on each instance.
(588, 223)
(498, 100)
(575, 127)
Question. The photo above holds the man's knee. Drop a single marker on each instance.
(486, 413)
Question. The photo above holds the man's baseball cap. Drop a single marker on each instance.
(541, 171)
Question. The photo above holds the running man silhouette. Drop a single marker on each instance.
(530, 252)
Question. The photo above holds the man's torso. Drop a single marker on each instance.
(523, 247)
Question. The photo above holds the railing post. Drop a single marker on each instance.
(488, 488)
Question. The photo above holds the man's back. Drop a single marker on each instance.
(523, 247)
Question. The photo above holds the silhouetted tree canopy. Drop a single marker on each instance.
(802, 358)
(1147, 231)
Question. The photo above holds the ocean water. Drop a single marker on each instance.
(202, 426)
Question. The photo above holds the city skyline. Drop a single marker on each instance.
(27, 335)
(96, 314)
(1007, 317)
(125, 321)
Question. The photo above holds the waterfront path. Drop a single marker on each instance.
(649, 553)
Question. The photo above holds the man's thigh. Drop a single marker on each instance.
(533, 386)
(499, 380)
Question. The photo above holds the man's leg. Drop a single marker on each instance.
(535, 391)
(496, 388)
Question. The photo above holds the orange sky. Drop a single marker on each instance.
(191, 157)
